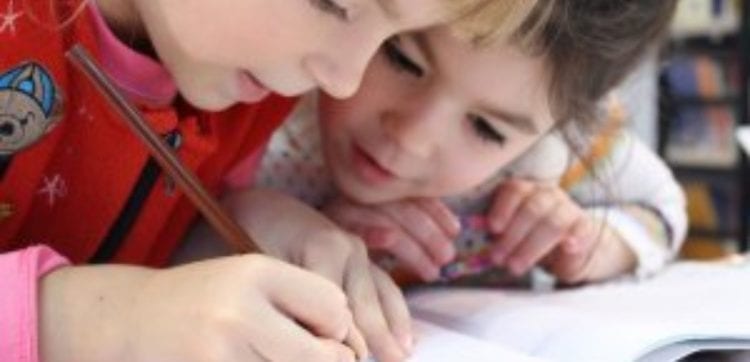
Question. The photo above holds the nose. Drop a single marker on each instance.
(416, 130)
(340, 69)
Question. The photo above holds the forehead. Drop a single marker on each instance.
(498, 75)
(417, 14)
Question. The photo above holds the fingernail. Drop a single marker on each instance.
(448, 253)
(407, 343)
(431, 275)
(455, 227)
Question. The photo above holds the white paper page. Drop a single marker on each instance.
(618, 321)
(437, 344)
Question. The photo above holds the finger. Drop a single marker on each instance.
(582, 237)
(545, 236)
(279, 338)
(442, 215)
(325, 311)
(394, 307)
(365, 222)
(422, 228)
(508, 198)
(355, 340)
(410, 254)
(332, 261)
(370, 316)
(571, 264)
(329, 260)
(532, 209)
(243, 350)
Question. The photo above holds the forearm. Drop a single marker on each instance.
(642, 231)
(635, 193)
(83, 313)
(277, 221)
(612, 257)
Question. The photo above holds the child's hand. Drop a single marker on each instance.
(419, 233)
(529, 220)
(537, 223)
(608, 257)
(232, 309)
(291, 230)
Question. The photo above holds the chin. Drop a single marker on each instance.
(366, 195)
(207, 103)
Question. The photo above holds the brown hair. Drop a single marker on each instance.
(590, 46)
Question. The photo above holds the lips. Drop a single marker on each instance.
(250, 90)
(368, 168)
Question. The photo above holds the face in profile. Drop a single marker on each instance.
(221, 52)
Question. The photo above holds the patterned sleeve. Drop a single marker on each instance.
(618, 179)
(633, 191)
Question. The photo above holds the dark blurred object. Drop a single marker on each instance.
(703, 99)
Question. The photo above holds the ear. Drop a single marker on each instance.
(36, 77)
(25, 72)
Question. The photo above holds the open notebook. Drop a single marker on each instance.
(690, 307)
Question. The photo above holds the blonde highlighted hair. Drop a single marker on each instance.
(484, 21)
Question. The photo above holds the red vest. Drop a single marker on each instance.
(87, 187)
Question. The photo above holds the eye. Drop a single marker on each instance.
(331, 7)
(485, 131)
(399, 60)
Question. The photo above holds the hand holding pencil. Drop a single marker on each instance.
(287, 299)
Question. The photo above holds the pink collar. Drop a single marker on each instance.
(146, 81)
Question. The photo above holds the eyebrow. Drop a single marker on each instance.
(519, 122)
(390, 8)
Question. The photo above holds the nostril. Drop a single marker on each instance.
(7, 129)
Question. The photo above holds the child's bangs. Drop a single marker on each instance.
(484, 21)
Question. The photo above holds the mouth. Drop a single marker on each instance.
(369, 169)
(250, 89)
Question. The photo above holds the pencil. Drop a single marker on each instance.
(234, 235)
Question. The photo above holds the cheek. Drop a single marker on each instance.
(359, 113)
(231, 32)
(460, 177)
(468, 167)
(462, 171)
(334, 116)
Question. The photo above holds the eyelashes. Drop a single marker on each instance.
(331, 7)
(399, 60)
(485, 131)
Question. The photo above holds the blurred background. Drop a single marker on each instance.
(696, 87)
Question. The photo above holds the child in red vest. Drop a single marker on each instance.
(74, 179)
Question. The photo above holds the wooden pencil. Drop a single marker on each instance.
(234, 235)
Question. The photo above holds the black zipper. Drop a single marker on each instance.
(132, 209)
